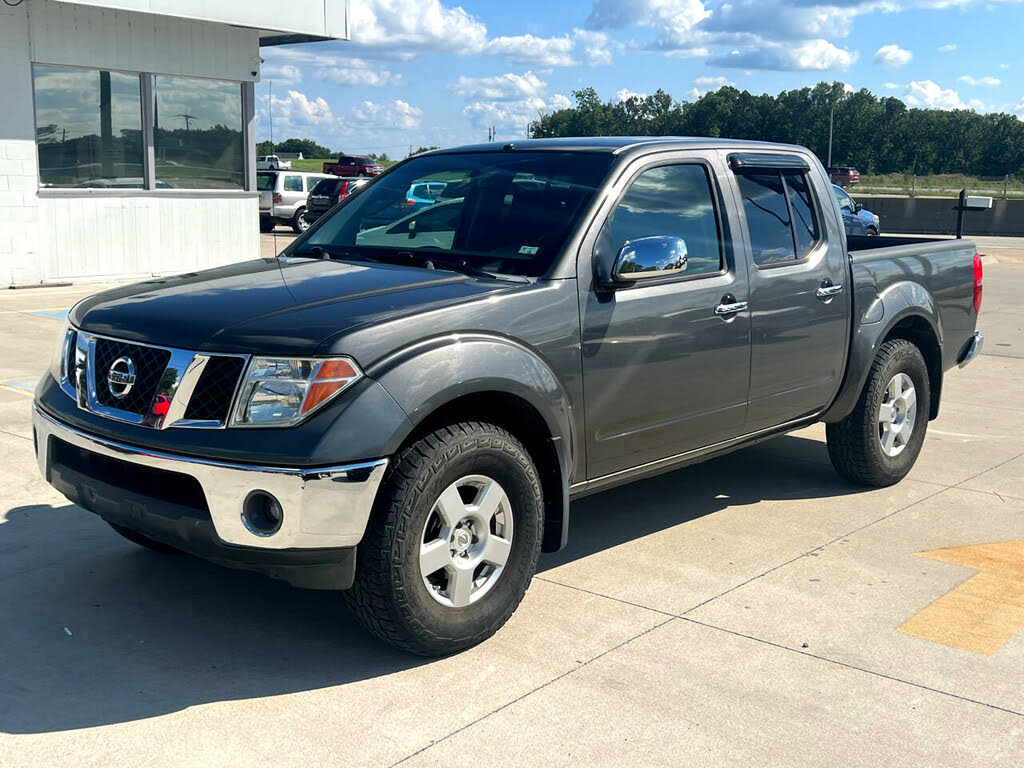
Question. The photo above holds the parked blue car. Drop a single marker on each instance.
(856, 220)
(423, 195)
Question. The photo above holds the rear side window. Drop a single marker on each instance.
(265, 181)
(780, 213)
(292, 183)
(672, 200)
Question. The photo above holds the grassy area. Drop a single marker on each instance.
(317, 165)
(940, 185)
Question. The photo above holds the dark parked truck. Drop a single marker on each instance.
(402, 405)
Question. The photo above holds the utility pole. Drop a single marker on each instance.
(831, 118)
(270, 112)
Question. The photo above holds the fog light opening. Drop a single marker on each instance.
(262, 514)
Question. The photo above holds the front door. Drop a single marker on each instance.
(799, 300)
(662, 372)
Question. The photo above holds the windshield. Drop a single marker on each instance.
(265, 181)
(505, 212)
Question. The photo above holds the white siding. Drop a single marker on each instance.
(105, 237)
(19, 216)
(326, 18)
(84, 36)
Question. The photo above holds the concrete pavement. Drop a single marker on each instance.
(745, 611)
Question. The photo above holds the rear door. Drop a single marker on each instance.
(663, 373)
(799, 300)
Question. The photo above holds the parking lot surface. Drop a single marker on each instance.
(753, 610)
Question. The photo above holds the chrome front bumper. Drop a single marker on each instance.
(323, 507)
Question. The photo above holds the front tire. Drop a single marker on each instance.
(878, 443)
(453, 541)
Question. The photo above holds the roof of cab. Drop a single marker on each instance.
(616, 144)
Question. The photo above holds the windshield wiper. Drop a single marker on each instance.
(446, 260)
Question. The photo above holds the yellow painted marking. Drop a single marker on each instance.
(984, 612)
(15, 389)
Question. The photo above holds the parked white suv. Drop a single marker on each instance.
(272, 163)
(283, 198)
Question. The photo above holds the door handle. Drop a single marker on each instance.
(730, 308)
(828, 290)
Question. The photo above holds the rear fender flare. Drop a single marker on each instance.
(897, 302)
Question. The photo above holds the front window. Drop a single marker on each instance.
(197, 133)
(504, 212)
(676, 201)
(88, 128)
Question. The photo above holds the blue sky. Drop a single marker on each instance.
(422, 72)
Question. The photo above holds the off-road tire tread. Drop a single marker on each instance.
(376, 580)
(851, 442)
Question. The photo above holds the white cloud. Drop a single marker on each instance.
(512, 116)
(892, 86)
(987, 80)
(672, 18)
(327, 64)
(781, 19)
(505, 87)
(812, 55)
(712, 82)
(285, 74)
(528, 49)
(892, 56)
(624, 94)
(404, 28)
(296, 111)
(396, 113)
(597, 46)
(947, 48)
(929, 95)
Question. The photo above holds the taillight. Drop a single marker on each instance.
(343, 191)
(277, 197)
(977, 282)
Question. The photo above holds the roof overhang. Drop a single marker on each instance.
(297, 21)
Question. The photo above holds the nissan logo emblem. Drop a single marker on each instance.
(121, 377)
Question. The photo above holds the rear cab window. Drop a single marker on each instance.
(781, 213)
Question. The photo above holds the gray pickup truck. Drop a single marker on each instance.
(404, 402)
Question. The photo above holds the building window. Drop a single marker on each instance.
(88, 128)
(197, 133)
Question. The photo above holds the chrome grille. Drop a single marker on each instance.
(211, 399)
(150, 365)
(168, 387)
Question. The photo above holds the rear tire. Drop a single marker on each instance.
(299, 222)
(408, 597)
(878, 443)
(144, 541)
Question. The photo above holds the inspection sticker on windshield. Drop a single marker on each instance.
(529, 250)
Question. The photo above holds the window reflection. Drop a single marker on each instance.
(88, 128)
(197, 133)
(676, 201)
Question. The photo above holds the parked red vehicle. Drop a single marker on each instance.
(353, 165)
(843, 175)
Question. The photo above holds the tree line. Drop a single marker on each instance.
(877, 135)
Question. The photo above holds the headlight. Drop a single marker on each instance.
(280, 392)
(59, 363)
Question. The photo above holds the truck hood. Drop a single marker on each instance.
(273, 306)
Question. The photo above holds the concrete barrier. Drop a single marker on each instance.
(937, 216)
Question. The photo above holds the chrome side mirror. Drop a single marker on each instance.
(649, 257)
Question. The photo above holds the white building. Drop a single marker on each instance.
(127, 141)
